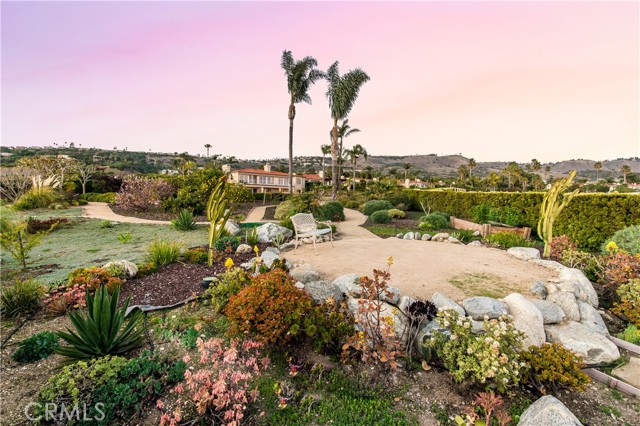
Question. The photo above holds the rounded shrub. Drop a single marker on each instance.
(352, 205)
(381, 216)
(376, 205)
(627, 239)
(434, 221)
(36, 199)
(228, 243)
(552, 368)
(285, 209)
(37, 347)
(333, 211)
(397, 214)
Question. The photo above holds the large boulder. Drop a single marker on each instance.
(539, 290)
(320, 291)
(129, 269)
(524, 253)
(425, 334)
(388, 313)
(349, 284)
(481, 306)
(548, 411)
(305, 273)
(591, 318)
(232, 227)
(567, 302)
(442, 236)
(409, 236)
(443, 302)
(593, 347)
(268, 232)
(425, 237)
(574, 280)
(549, 264)
(526, 318)
(551, 313)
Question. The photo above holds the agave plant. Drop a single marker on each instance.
(184, 221)
(102, 331)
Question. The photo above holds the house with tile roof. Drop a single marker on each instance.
(268, 181)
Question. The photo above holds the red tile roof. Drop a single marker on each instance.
(260, 172)
(311, 177)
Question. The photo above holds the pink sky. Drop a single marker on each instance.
(490, 80)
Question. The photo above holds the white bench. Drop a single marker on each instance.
(306, 226)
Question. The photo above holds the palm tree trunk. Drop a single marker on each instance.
(292, 115)
(340, 159)
(323, 169)
(335, 179)
(354, 175)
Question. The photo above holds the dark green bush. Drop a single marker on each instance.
(193, 190)
(162, 252)
(376, 205)
(107, 197)
(507, 240)
(184, 221)
(37, 347)
(380, 216)
(352, 205)
(333, 211)
(434, 221)
(627, 239)
(228, 243)
(36, 199)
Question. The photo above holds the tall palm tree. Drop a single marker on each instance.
(326, 150)
(342, 94)
(625, 171)
(598, 166)
(471, 164)
(354, 153)
(406, 167)
(344, 130)
(208, 146)
(300, 76)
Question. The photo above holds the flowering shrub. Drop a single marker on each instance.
(271, 307)
(92, 278)
(140, 193)
(560, 244)
(196, 255)
(618, 267)
(489, 357)
(629, 305)
(552, 367)
(376, 341)
(219, 387)
(61, 299)
(489, 406)
(627, 239)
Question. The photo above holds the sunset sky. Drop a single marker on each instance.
(490, 80)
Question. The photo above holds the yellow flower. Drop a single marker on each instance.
(229, 263)
(256, 250)
(390, 261)
(611, 247)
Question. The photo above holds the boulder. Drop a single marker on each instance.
(399, 235)
(393, 297)
(287, 246)
(591, 318)
(481, 306)
(387, 313)
(477, 327)
(244, 248)
(305, 273)
(549, 264)
(425, 334)
(273, 250)
(539, 290)
(526, 318)
(349, 284)
(440, 236)
(129, 269)
(567, 302)
(405, 302)
(409, 236)
(443, 302)
(593, 347)
(574, 280)
(475, 243)
(551, 313)
(320, 291)
(417, 236)
(524, 253)
(232, 227)
(268, 232)
(548, 411)
(268, 258)
(425, 237)
(453, 240)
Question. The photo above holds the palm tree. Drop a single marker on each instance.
(342, 94)
(344, 130)
(208, 146)
(625, 171)
(535, 165)
(463, 172)
(598, 166)
(406, 167)
(326, 150)
(300, 76)
(471, 164)
(354, 153)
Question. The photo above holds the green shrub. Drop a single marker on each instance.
(145, 269)
(106, 224)
(434, 221)
(285, 210)
(15, 240)
(184, 221)
(552, 368)
(287, 223)
(225, 285)
(484, 213)
(93, 278)
(352, 205)
(397, 214)
(464, 235)
(22, 297)
(36, 198)
(102, 331)
(490, 359)
(227, 244)
(333, 211)
(162, 252)
(627, 239)
(507, 240)
(194, 190)
(239, 194)
(380, 216)
(376, 205)
(629, 305)
(106, 197)
(196, 255)
(37, 347)
(631, 334)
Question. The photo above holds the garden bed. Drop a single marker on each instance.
(159, 214)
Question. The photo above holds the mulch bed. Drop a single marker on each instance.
(178, 281)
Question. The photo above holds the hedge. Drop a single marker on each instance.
(589, 219)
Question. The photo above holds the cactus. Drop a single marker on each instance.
(551, 208)
(217, 214)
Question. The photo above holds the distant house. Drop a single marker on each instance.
(266, 180)
(408, 183)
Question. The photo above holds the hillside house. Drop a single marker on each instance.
(266, 180)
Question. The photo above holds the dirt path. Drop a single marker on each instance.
(95, 210)
(421, 268)
(257, 214)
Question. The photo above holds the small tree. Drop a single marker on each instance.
(217, 214)
(84, 173)
(551, 208)
(15, 239)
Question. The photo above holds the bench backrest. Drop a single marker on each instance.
(303, 223)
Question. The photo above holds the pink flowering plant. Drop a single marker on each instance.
(218, 384)
(490, 358)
